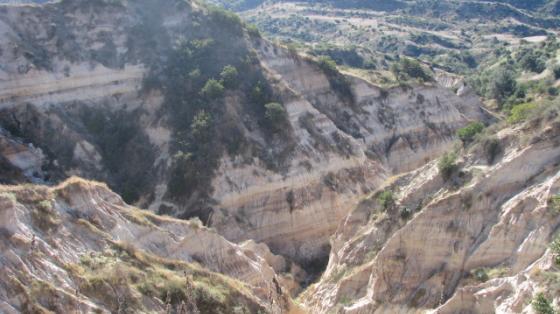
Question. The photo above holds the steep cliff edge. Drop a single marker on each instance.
(78, 246)
(477, 242)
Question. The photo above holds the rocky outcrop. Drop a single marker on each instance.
(425, 252)
(56, 242)
(19, 161)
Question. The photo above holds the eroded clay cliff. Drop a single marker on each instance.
(431, 249)
(77, 74)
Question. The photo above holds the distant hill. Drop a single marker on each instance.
(549, 6)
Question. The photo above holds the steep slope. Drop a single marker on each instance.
(144, 97)
(437, 240)
(78, 246)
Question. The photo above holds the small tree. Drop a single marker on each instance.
(502, 85)
(542, 305)
(276, 115)
(447, 165)
(229, 76)
(468, 133)
(212, 89)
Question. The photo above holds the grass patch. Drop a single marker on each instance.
(120, 277)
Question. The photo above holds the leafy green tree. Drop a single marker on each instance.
(229, 76)
(212, 89)
(468, 133)
(502, 85)
(542, 305)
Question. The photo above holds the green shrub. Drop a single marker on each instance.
(212, 89)
(327, 64)
(405, 213)
(276, 115)
(447, 165)
(226, 20)
(337, 81)
(555, 248)
(542, 305)
(519, 113)
(385, 199)
(491, 147)
(554, 203)
(480, 275)
(468, 133)
(229, 76)
(556, 72)
(201, 126)
(253, 31)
